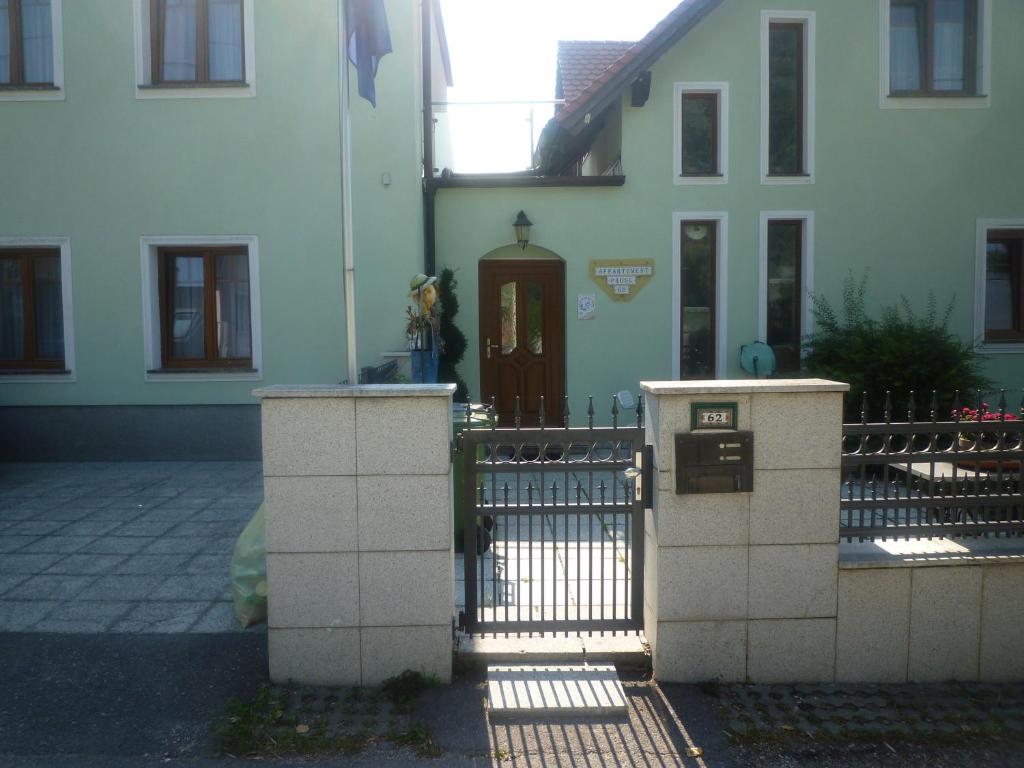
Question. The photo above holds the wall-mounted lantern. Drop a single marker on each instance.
(522, 225)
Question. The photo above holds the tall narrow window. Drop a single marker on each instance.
(784, 292)
(1004, 286)
(197, 41)
(933, 47)
(205, 308)
(699, 246)
(31, 310)
(699, 139)
(26, 43)
(786, 93)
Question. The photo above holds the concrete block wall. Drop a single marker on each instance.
(743, 586)
(359, 531)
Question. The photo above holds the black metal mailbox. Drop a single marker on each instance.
(714, 462)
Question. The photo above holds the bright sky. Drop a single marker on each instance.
(504, 50)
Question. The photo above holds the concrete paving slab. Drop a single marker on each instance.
(545, 690)
(87, 564)
(50, 587)
(117, 545)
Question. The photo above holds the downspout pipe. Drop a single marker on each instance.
(347, 242)
(429, 190)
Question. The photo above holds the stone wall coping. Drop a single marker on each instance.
(926, 553)
(742, 386)
(354, 390)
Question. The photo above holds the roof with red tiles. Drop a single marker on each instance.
(580, 62)
(609, 84)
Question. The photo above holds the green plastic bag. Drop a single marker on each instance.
(249, 572)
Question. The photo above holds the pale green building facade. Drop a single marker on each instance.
(111, 171)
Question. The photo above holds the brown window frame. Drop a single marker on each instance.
(801, 100)
(31, 360)
(713, 227)
(17, 78)
(157, 16)
(1016, 238)
(798, 281)
(715, 98)
(926, 50)
(210, 360)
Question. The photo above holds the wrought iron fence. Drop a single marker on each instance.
(553, 526)
(922, 478)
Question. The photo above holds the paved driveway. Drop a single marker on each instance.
(121, 547)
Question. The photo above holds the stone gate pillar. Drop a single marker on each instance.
(359, 531)
(742, 585)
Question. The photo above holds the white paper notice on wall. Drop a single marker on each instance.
(586, 306)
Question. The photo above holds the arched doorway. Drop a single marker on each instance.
(522, 333)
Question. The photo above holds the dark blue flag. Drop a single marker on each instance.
(368, 41)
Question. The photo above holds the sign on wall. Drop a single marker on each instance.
(621, 279)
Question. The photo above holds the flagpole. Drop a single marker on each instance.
(347, 244)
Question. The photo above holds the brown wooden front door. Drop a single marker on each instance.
(522, 338)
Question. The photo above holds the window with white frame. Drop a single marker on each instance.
(786, 279)
(201, 305)
(701, 133)
(700, 255)
(787, 97)
(999, 298)
(31, 56)
(935, 52)
(194, 48)
(35, 308)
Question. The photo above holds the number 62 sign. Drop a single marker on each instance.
(713, 416)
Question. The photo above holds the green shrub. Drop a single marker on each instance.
(900, 351)
(453, 340)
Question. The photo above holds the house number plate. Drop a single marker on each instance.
(713, 416)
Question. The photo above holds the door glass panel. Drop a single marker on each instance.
(49, 316)
(535, 318)
(234, 337)
(698, 291)
(507, 298)
(12, 313)
(700, 115)
(188, 324)
(784, 242)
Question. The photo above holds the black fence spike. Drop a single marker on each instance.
(541, 416)
(981, 403)
(601, 489)
(1002, 405)
(864, 408)
(517, 414)
(1021, 409)
(887, 408)
(565, 412)
(639, 410)
(935, 405)
(506, 490)
(590, 412)
(911, 408)
(554, 492)
(483, 494)
(957, 407)
(579, 491)
(615, 412)
(494, 412)
(529, 493)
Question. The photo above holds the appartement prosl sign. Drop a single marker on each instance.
(621, 279)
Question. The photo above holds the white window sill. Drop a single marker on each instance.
(32, 93)
(700, 181)
(936, 102)
(997, 348)
(200, 91)
(185, 376)
(37, 377)
(787, 181)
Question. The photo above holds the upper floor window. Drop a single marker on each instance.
(197, 41)
(1004, 288)
(787, 97)
(933, 47)
(702, 133)
(31, 310)
(30, 42)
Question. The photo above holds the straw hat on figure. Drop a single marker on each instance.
(423, 328)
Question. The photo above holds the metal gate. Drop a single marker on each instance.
(553, 528)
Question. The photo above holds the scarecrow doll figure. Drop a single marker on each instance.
(423, 329)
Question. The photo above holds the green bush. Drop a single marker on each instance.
(900, 351)
(453, 340)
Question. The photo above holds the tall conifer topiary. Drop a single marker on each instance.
(452, 339)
